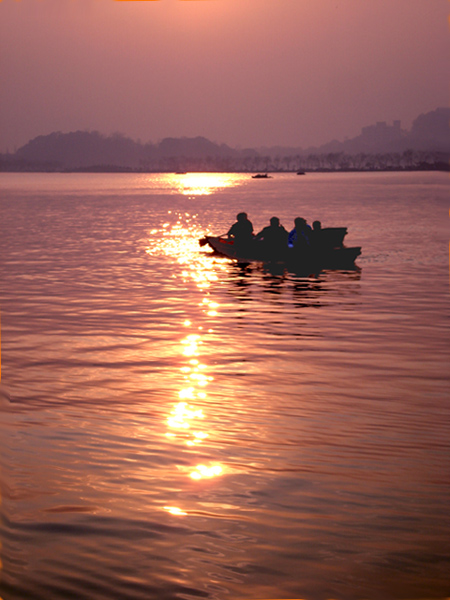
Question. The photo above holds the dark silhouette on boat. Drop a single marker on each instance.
(327, 250)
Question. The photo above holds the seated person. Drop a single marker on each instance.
(300, 236)
(316, 234)
(317, 226)
(274, 236)
(242, 230)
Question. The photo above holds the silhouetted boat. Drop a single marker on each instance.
(261, 176)
(300, 172)
(329, 254)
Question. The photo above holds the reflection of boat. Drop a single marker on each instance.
(261, 176)
(329, 253)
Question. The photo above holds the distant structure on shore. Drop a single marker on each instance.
(382, 134)
(378, 147)
(429, 132)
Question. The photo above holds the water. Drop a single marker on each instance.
(176, 426)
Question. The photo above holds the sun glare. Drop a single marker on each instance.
(202, 184)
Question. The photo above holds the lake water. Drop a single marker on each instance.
(175, 426)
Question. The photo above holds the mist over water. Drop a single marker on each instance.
(177, 426)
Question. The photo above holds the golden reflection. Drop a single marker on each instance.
(185, 417)
(182, 418)
(191, 344)
(187, 393)
(187, 422)
(174, 510)
(202, 184)
(202, 472)
(179, 240)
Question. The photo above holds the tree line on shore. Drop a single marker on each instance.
(379, 148)
(409, 160)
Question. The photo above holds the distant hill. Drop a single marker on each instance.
(92, 151)
(429, 132)
(84, 149)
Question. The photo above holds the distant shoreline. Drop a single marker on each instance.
(441, 167)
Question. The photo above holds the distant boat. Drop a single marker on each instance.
(180, 173)
(300, 172)
(261, 176)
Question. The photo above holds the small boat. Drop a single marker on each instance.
(300, 172)
(261, 176)
(330, 254)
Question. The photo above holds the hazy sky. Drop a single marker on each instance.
(242, 72)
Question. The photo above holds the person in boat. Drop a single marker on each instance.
(273, 237)
(316, 233)
(318, 243)
(300, 236)
(241, 231)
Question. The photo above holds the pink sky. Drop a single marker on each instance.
(241, 72)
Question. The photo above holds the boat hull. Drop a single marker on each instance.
(325, 257)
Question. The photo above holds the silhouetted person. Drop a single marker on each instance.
(273, 237)
(242, 231)
(316, 234)
(318, 241)
(300, 236)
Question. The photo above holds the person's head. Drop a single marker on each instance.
(242, 216)
(274, 221)
(299, 223)
(317, 225)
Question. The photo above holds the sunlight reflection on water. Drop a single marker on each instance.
(201, 184)
(180, 243)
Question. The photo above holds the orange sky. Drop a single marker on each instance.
(242, 72)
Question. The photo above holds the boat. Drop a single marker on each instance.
(261, 176)
(300, 172)
(329, 254)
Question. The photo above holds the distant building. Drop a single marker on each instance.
(381, 133)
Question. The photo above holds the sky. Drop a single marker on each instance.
(247, 73)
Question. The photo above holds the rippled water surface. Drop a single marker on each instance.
(177, 426)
